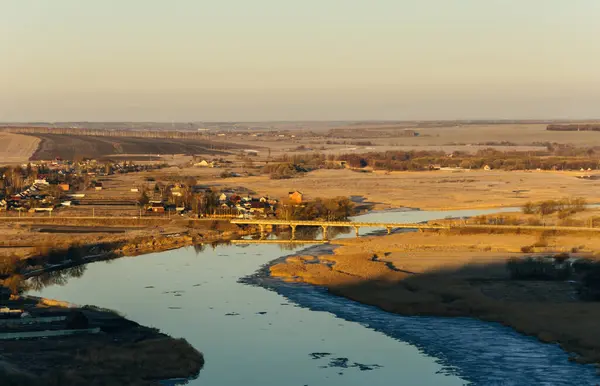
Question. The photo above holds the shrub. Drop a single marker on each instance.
(541, 243)
(529, 208)
(77, 320)
(565, 207)
(8, 265)
(589, 287)
(15, 284)
(537, 269)
(527, 249)
(561, 257)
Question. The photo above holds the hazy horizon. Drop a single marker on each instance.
(327, 60)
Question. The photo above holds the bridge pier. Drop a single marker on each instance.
(293, 231)
(357, 229)
(324, 231)
(263, 232)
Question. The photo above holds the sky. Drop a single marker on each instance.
(259, 60)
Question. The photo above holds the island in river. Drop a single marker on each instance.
(453, 274)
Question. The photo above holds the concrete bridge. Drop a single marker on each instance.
(325, 225)
(299, 242)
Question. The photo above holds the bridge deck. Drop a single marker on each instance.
(242, 241)
(414, 226)
(339, 224)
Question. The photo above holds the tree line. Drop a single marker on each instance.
(554, 157)
(326, 209)
(564, 207)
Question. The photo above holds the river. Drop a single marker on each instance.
(261, 332)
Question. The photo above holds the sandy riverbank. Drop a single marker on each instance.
(457, 275)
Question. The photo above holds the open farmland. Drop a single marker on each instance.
(70, 147)
(16, 148)
(429, 190)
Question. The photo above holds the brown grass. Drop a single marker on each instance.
(426, 190)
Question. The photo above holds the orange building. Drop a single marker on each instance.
(295, 197)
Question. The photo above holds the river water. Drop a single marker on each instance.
(261, 332)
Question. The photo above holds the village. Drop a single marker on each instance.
(79, 188)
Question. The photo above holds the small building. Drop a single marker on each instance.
(63, 187)
(257, 206)
(156, 207)
(487, 167)
(98, 186)
(134, 190)
(295, 197)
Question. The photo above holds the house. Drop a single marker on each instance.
(295, 197)
(257, 206)
(156, 207)
(63, 187)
